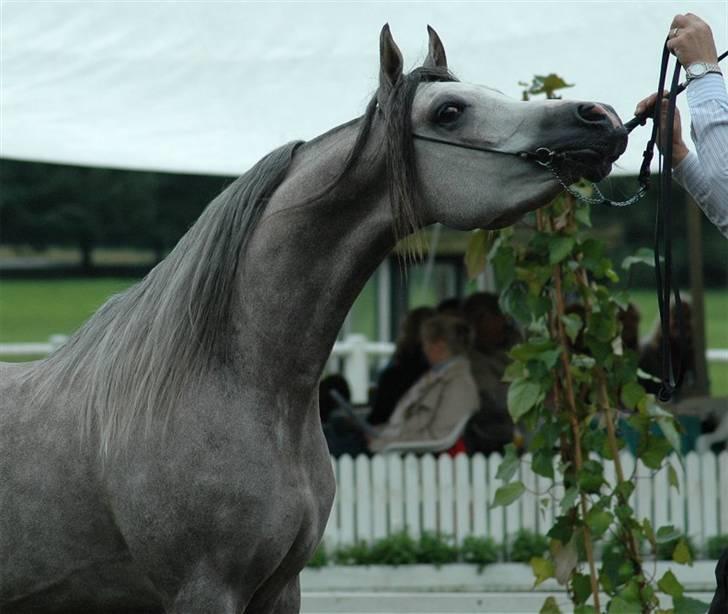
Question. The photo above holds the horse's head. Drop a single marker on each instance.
(466, 140)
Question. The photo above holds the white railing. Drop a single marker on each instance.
(356, 353)
(384, 494)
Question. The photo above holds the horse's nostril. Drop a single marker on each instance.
(592, 113)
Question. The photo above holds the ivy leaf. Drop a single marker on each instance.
(581, 584)
(543, 463)
(583, 215)
(657, 449)
(632, 393)
(507, 494)
(572, 325)
(669, 585)
(681, 554)
(590, 477)
(543, 569)
(688, 605)
(560, 248)
(598, 521)
(566, 558)
(666, 534)
(620, 606)
(476, 253)
(550, 606)
(568, 500)
(672, 477)
(643, 255)
(667, 426)
(523, 395)
(509, 465)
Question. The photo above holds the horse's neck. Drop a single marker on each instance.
(306, 263)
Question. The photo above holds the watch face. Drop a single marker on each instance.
(697, 69)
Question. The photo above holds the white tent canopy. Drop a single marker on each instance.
(210, 87)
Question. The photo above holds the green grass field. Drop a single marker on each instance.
(34, 310)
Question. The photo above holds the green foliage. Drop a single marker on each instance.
(436, 550)
(681, 547)
(568, 380)
(716, 545)
(320, 557)
(353, 554)
(479, 551)
(527, 545)
(396, 549)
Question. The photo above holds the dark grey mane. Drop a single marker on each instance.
(143, 348)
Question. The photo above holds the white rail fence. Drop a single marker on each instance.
(384, 494)
(355, 356)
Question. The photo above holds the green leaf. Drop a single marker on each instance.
(583, 215)
(591, 476)
(550, 606)
(667, 426)
(669, 585)
(509, 465)
(568, 501)
(632, 393)
(642, 256)
(507, 494)
(598, 521)
(543, 463)
(657, 449)
(672, 477)
(523, 395)
(543, 569)
(688, 605)
(560, 248)
(562, 529)
(572, 325)
(585, 609)
(581, 584)
(681, 554)
(476, 253)
(619, 606)
(666, 534)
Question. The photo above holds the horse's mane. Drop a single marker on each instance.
(135, 357)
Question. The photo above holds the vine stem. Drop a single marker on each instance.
(571, 398)
(613, 445)
(543, 225)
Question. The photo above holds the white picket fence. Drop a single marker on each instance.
(384, 494)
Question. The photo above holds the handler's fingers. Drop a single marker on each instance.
(647, 103)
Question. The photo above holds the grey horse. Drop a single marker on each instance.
(170, 458)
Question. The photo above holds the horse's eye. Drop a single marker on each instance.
(449, 113)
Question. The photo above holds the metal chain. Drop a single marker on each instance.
(601, 198)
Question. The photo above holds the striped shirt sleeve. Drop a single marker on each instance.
(704, 173)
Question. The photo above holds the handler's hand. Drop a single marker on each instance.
(691, 40)
(679, 149)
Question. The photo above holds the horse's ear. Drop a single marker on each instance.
(436, 57)
(390, 64)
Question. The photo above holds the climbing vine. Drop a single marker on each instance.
(574, 386)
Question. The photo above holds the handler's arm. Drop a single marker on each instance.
(705, 174)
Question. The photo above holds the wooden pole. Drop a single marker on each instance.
(697, 291)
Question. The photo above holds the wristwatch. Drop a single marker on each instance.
(700, 69)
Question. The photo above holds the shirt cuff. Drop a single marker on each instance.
(687, 168)
(708, 87)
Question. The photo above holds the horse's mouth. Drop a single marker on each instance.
(590, 164)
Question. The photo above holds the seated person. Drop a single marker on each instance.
(492, 427)
(341, 436)
(407, 365)
(442, 397)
